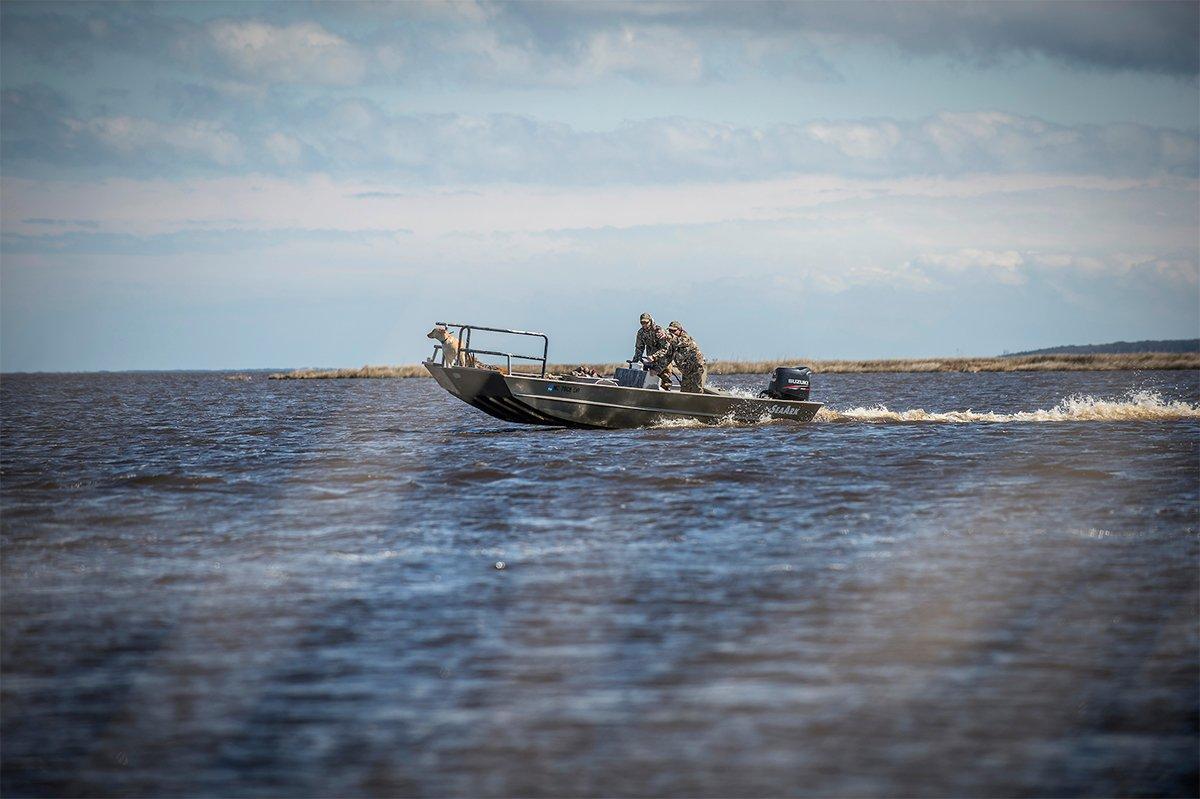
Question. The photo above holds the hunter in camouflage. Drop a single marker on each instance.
(650, 337)
(653, 339)
(685, 353)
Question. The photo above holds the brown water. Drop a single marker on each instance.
(252, 588)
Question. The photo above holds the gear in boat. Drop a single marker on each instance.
(630, 398)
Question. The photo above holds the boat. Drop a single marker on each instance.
(618, 402)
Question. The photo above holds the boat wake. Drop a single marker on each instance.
(1133, 407)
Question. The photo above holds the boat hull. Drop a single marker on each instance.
(564, 403)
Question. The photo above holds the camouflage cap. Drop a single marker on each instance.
(675, 325)
(646, 318)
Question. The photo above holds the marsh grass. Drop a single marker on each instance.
(362, 371)
(1023, 363)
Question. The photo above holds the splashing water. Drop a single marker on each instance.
(1135, 406)
(724, 421)
(742, 393)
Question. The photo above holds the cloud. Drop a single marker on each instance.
(41, 126)
(126, 136)
(211, 241)
(546, 43)
(857, 140)
(301, 52)
(81, 223)
(1155, 37)
(885, 250)
(246, 48)
(284, 149)
(578, 44)
(649, 53)
(1178, 268)
(225, 99)
(1014, 268)
(955, 224)
(1005, 267)
(355, 136)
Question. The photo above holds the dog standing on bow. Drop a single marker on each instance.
(452, 354)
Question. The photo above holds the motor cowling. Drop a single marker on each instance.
(790, 383)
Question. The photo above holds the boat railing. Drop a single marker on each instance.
(464, 338)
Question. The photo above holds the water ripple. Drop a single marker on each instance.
(219, 586)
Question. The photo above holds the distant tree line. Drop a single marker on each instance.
(1117, 347)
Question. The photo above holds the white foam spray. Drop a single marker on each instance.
(1136, 406)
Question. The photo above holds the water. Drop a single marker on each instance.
(312, 588)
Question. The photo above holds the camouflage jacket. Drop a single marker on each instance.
(650, 340)
(680, 350)
(685, 352)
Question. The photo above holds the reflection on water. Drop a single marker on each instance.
(217, 587)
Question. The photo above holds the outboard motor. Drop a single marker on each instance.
(789, 383)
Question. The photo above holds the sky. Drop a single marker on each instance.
(232, 185)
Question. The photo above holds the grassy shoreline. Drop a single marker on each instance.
(1026, 363)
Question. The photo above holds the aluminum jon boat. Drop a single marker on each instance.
(601, 402)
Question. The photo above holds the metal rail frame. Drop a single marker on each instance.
(464, 338)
